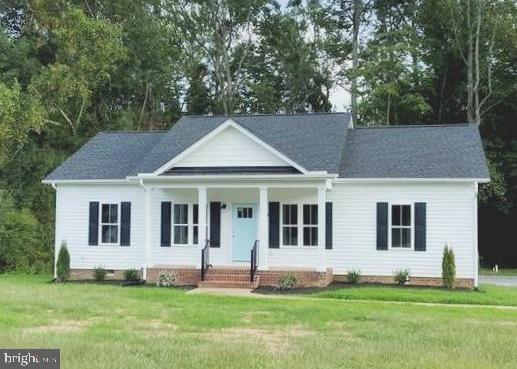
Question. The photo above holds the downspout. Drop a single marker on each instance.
(54, 186)
(476, 250)
(146, 228)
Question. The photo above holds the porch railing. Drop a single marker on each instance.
(205, 259)
(254, 261)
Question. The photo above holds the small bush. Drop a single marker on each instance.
(286, 282)
(353, 276)
(448, 267)
(132, 275)
(166, 279)
(99, 273)
(63, 263)
(401, 276)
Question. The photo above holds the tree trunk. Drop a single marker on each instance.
(356, 22)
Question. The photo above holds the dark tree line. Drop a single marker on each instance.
(71, 68)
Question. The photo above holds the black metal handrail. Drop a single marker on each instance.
(254, 261)
(205, 259)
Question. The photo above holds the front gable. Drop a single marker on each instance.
(230, 146)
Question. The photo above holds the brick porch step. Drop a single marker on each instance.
(228, 278)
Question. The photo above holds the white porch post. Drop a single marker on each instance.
(322, 198)
(202, 236)
(263, 234)
(148, 262)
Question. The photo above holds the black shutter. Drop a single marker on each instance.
(165, 233)
(93, 232)
(420, 226)
(274, 225)
(328, 225)
(125, 224)
(382, 226)
(215, 224)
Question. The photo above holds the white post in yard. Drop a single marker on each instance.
(322, 198)
(147, 231)
(263, 229)
(202, 205)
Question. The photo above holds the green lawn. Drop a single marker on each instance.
(102, 326)
(486, 295)
(501, 272)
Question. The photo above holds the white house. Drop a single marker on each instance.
(234, 200)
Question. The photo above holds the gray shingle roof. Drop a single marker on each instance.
(317, 142)
(438, 151)
(314, 141)
(108, 155)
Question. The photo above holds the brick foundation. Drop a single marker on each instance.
(413, 281)
(185, 276)
(304, 278)
(188, 276)
(87, 274)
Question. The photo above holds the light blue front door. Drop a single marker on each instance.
(244, 219)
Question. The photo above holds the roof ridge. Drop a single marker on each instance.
(264, 115)
(417, 126)
(135, 132)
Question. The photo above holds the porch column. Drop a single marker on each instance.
(263, 229)
(202, 200)
(322, 198)
(148, 262)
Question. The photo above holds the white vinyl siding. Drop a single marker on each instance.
(230, 148)
(449, 218)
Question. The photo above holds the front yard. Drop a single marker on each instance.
(102, 326)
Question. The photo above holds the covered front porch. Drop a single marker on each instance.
(267, 225)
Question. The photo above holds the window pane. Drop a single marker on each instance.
(406, 215)
(113, 213)
(306, 214)
(180, 235)
(294, 214)
(294, 235)
(105, 234)
(314, 214)
(239, 212)
(113, 234)
(395, 237)
(286, 239)
(250, 212)
(195, 212)
(285, 214)
(105, 213)
(180, 214)
(314, 234)
(195, 233)
(406, 237)
(395, 215)
(307, 236)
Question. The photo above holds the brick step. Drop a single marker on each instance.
(226, 284)
(228, 271)
(227, 277)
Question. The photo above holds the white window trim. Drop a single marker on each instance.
(190, 224)
(299, 226)
(411, 227)
(101, 224)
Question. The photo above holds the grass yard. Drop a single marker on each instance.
(486, 295)
(103, 326)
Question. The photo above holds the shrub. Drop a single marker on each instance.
(166, 279)
(132, 275)
(448, 267)
(63, 263)
(353, 276)
(99, 273)
(401, 276)
(286, 282)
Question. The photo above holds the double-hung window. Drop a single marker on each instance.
(290, 225)
(180, 224)
(401, 226)
(109, 223)
(310, 225)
